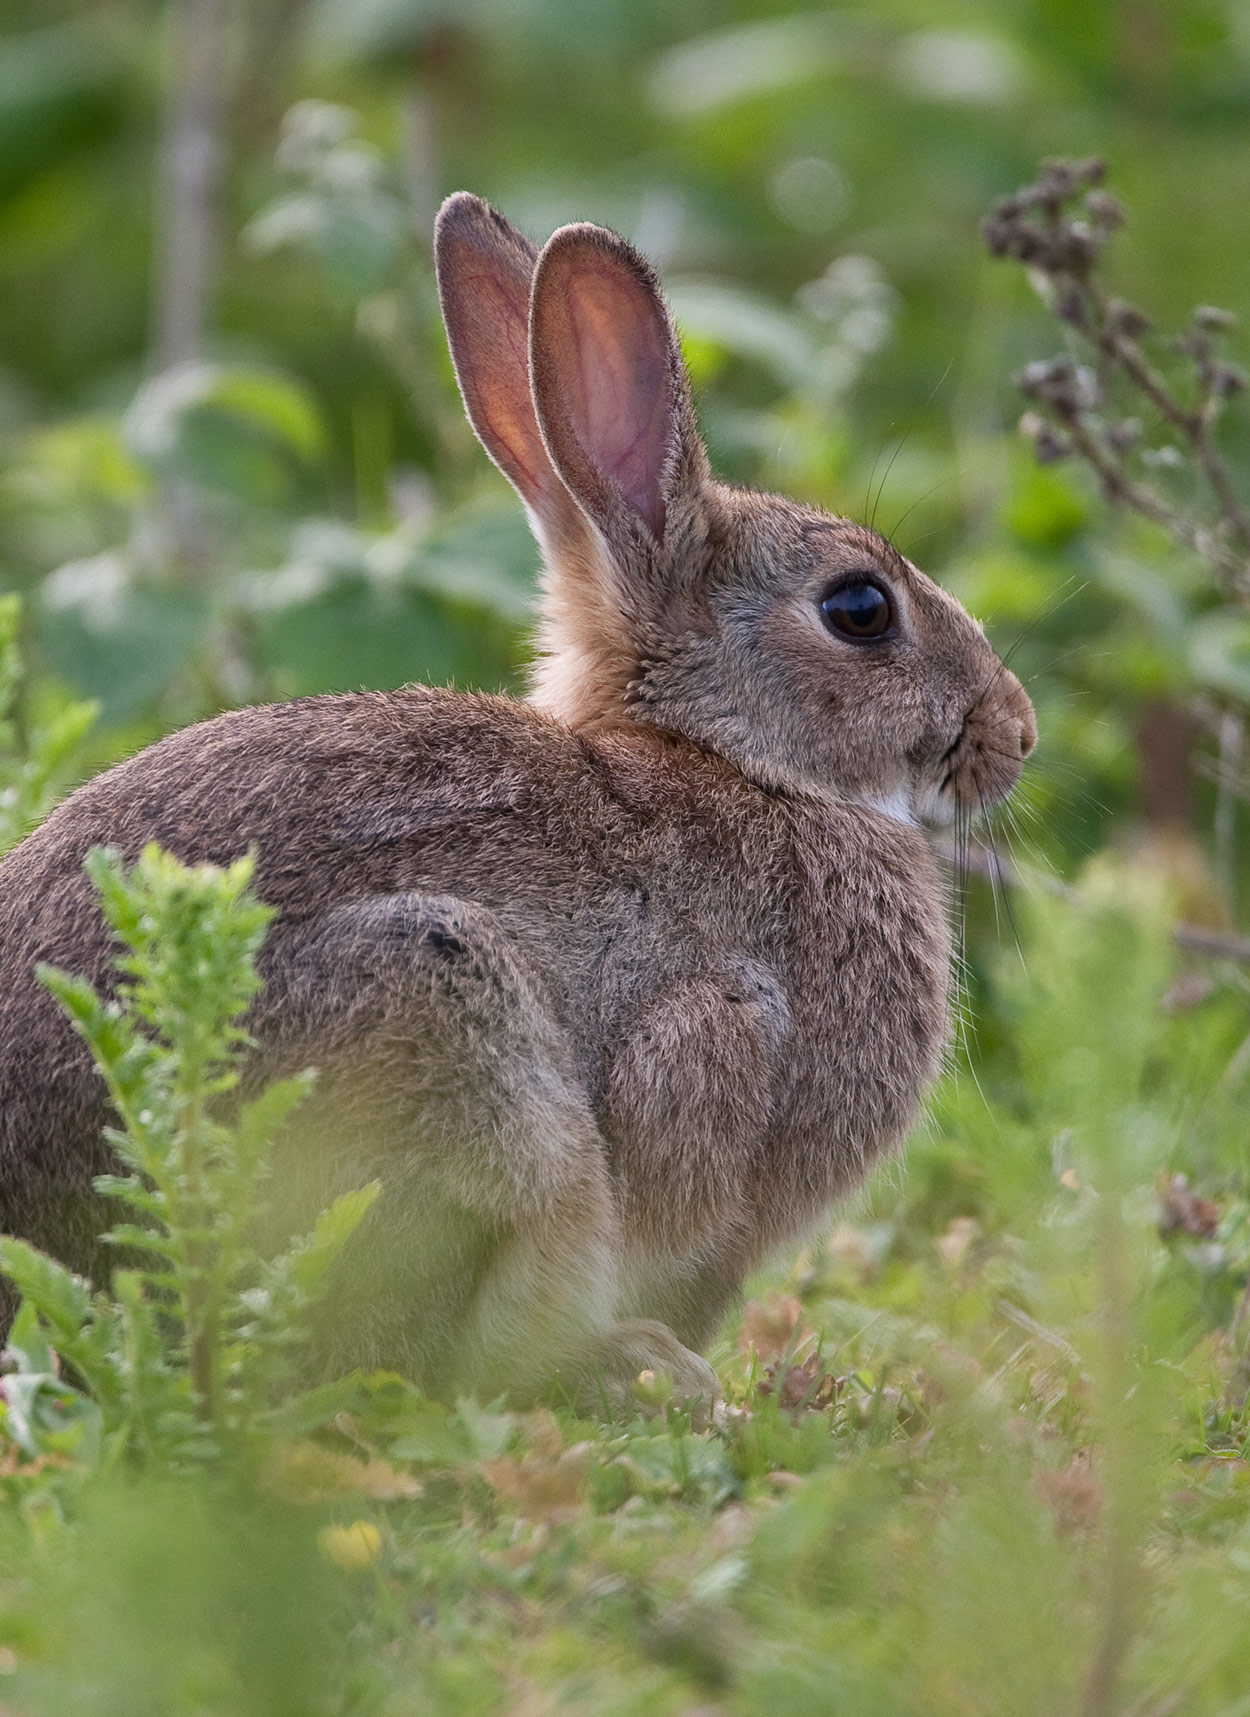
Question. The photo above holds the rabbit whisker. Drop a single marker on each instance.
(1062, 596)
(872, 475)
(903, 439)
(998, 884)
(919, 501)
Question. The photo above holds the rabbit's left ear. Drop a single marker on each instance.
(610, 389)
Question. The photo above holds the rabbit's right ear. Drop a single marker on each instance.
(485, 270)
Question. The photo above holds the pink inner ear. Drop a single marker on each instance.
(496, 380)
(502, 387)
(618, 389)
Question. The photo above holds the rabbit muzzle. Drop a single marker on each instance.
(982, 765)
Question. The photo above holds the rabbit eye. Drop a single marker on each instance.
(859, 611)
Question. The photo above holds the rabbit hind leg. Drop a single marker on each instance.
(489, 1261)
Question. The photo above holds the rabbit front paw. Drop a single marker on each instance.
(600, 1382)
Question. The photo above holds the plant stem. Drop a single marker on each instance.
(1121, 1573)
(191, 172)
(201, 1332)
(1232, 733)
(1195, 426)
(190, 175)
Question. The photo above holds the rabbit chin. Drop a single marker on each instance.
(968, 792)
(933, 805)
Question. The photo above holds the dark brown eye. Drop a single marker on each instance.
(859, 611)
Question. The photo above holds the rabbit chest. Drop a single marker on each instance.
(770, 1012)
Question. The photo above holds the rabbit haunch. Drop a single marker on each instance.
(615, 989)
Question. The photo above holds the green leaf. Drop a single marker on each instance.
(244, 431)
(746, 61)
(312, 1258)
(434, 1437)
(748, 325)
(29, 1342)
(61, 1299)
(33, 754)
(315, 1407)
(261, 1119)
(275, 403)
(116, 633)
(489, 1432)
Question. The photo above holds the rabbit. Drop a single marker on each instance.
(617, 987)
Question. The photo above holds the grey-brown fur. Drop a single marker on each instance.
(617, 988)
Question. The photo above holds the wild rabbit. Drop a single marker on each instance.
(616, 988)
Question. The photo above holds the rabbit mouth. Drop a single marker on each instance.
(981, 766)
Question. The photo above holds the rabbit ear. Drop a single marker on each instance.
(610, 388)
(485, 268)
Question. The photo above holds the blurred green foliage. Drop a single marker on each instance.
(300, 507)
(39, 747)
(996, 1459)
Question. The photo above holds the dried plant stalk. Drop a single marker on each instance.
(1059, 228)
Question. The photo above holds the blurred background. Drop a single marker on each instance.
(233, 465)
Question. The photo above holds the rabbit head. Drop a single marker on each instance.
(800, 646)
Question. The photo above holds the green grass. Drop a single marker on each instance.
(982, 1448)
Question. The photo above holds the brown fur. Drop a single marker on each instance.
(617, 989)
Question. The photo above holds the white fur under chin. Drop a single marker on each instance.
(896, 804)
(934, 809)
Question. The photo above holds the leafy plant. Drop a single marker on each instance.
(33, 756)
(185, 1354)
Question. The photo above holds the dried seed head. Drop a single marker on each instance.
(1070, 306)
(1226, 380)
(1066, 387)
(1213, 320)
(1058, 178)
(1050, 445)
(1089, 390)
(1195, 344)
(1077, 248)
(1031, 244)
(1105, 210)
(1165, 458)
(1062, 176)
(997, 229)
(1125, 318)
(1035, 379)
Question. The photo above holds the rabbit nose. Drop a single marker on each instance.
(1027, 720)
